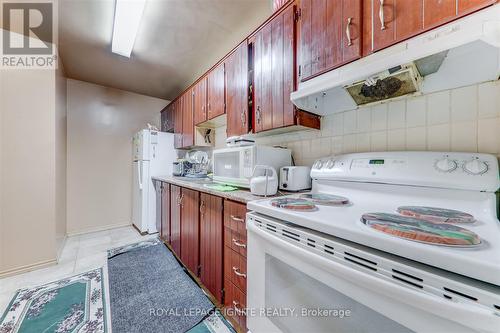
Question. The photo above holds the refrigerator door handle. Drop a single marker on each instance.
(139, 174)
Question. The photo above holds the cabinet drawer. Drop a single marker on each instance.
(235, 304)
(236, 241)
(234, 216)
(235, 268)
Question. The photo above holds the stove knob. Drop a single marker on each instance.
(475, 167)
(318, 165)
(330, 164)
(446, 165)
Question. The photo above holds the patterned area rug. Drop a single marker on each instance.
(214, 323)
(124, 249)
(74, 304)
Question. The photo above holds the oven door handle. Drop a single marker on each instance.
(463, 313)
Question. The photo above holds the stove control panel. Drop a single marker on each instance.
(445, 170)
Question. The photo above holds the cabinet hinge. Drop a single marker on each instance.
(298, 14)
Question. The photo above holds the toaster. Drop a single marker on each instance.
(295, 178)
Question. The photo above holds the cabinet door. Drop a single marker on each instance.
(216, 92)
(165, 213)
(167, 122)
(318, 33)
(200, 101)
(277, 58)
(190, 229)
(289, 61)
(237, 91)
(175, 219)
(439, 12)
(468, 6)
(187, 120)
(158, 190)
(305, 40)
(211, 243)
(177, 123)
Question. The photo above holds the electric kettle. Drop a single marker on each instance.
(264, 180)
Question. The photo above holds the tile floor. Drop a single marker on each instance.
(81, 253)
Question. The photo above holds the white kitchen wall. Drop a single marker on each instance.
(465, 119)
(101, 123)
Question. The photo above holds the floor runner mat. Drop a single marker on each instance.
(150, 292)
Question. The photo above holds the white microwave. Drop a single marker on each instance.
(234, 166)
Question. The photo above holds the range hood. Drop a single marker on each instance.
(461, 53)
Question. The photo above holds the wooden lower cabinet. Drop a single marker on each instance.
(165, 212)
(158, 185)
(175, 219)
(211, 243)
(235, 303)
(190, 229)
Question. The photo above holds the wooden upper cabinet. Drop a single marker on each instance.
(468, 6)
(211, 243)
(190, 233)
(216, 92)
(437, 12)
(274, 72)
(177, 110)
(187, 120)
(330, 34)
(167, 119)
(200, 101)
(237, 91)
(393, 21)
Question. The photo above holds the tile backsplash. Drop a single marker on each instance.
(464, 119)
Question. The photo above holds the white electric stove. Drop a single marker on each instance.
(422, 224)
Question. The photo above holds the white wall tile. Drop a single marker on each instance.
(338, 124)
(325, 146)
(396, 139)
(488, 136)
(364, 120)
(349, 143)
(337, 145)
(438, 108)
(379, 117)
(464, 136)
(464, 104)
(350, 122)
(489, 99)
(438, 137)
(416, 138)
(415, 112)
(363, 142)
(379, 141)
(396, 115)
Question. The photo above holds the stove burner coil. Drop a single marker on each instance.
(436, 215)
(294, 204)
(325, 199)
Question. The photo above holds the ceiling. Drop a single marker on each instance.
(177, 41)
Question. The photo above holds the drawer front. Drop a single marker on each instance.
(235, 268)
(237, 242)
(234, 216)
(235, 303)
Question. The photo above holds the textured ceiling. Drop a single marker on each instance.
(178, 40)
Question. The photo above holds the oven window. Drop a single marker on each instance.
(317, 307)
(227, 164)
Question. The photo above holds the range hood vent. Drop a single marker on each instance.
(395, 82)
(461, 53)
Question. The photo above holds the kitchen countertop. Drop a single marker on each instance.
(240, 195)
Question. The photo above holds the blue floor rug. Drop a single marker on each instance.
(74, 304)
(150, 292)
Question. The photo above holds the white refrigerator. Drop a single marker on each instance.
(153, 155)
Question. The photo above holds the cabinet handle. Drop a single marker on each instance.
(202, 207)
(243, 121)
(236, 271)
(180, 200)
(348, 31)
(381, 15)
(235, 242)
(237, 219)
(236, 308)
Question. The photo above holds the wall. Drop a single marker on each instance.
(28, 169)
(465, 119)
(60, 156)
(101, 123)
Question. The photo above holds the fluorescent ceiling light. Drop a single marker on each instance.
(128, 14)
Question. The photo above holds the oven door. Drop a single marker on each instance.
(292, 289)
